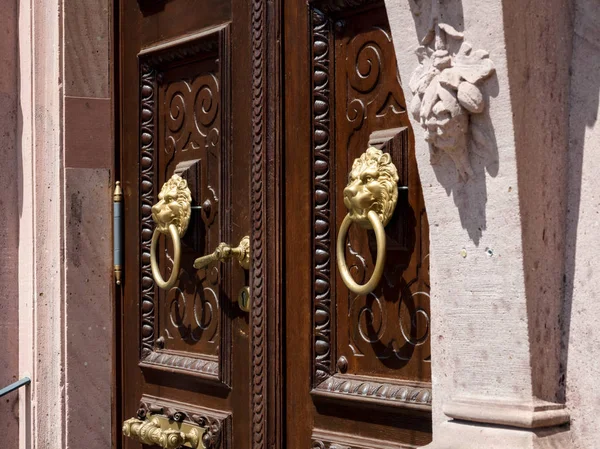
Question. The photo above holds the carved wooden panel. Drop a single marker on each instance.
(184, 130)
(322, 439)
(372, 348)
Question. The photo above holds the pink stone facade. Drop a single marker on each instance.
(63, 161)
(514, 250)
(9, 233)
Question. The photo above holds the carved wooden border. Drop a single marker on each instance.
(258, 197)
(218, 424)
(323, 439)
(326, 382)
(322, 203)
(266, 234)
(403, 394)
(150, 61)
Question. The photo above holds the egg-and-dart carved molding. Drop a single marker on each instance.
(368, 390)
(326, 382)
(324, 439)
(151, 61)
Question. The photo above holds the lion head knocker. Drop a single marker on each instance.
(370, 197)
(174, 206)
(372, 186)
(172, 215)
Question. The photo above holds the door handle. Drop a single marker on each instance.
(172, 216)
(225, 252)
(370, 197)
(160, 431)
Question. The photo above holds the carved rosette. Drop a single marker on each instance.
(447, 91)
(212, 434)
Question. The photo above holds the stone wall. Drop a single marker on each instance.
(65, 267)
(9, 231)
(513, 241)
(581, 319)
(513, 244)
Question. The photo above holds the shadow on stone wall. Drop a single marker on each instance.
(538, 53)
(581, 281)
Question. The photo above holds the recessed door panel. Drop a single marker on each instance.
(183, 105)
(384, 333)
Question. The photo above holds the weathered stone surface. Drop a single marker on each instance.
(498, 239)
(581, 330)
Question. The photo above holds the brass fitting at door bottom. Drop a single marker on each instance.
(158, 430)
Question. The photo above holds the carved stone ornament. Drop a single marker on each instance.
(446, 89)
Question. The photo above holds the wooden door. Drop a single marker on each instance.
(312, 365)
(357, 366)
(184, 109)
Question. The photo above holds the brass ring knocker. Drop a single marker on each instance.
(370, 197)
(172, 216)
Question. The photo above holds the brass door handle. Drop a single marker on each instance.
(159, 431)
(172, 216)
(225, 252)
(370, 197)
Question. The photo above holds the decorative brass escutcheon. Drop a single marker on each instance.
(172, 216)
(225, 252)
(244, 299)
(370, 197)
(158, 430)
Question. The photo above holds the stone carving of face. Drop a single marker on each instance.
(446, 92)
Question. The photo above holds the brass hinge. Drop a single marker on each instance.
(118, 232)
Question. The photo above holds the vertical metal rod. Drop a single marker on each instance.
(15, 386)
(117, 232)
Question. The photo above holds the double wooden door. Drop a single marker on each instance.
(260, 108)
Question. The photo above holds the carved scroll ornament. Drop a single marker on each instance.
(446, 89)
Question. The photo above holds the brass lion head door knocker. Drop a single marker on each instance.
(370, 197)
(172, 216)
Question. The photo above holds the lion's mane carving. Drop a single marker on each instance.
(174, 205)
(372, 185)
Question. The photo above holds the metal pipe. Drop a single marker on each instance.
(15, 386)
(117, 232)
